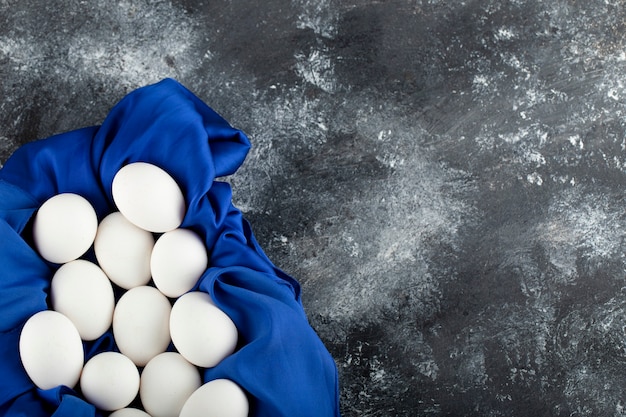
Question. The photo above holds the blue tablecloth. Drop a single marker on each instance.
(281, 363)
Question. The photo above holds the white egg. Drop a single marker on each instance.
(167, 381)
(123, 251)
(82, 292)
(141, 324)
(64, 228)
(129, 412)
(110, 381)
(217, 398)
(149, 197)
(51, 350)
(201, 332)
(178, 260)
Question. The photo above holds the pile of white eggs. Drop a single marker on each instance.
(142, 250)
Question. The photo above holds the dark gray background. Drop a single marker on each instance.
(445, 178)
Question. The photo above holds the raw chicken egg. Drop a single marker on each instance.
(123, 251)
(110, 381)
(64, 228)
(201, 332)
(217, 398)
(149, 197)
(141, 324)
(51, 350)
(167, 381)
(81, 291)
(178, 260)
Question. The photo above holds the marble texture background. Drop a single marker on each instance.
(445, 178)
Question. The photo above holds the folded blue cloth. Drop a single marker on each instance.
(281, 363)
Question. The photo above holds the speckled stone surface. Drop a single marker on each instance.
(445, 178)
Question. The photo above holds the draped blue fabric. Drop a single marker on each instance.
(280, 361)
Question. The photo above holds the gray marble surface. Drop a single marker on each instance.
(445, 179)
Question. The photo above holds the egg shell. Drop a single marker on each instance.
(64, 228)
(217, 398)
(201, 332)
(82, 292)
(167, 381)
(110, 381)
(141, 324)
(51, 350)
(178, 260)
(123, 251)
(148, 197)
(129, 412)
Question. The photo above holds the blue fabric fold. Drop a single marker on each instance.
(281, 363)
